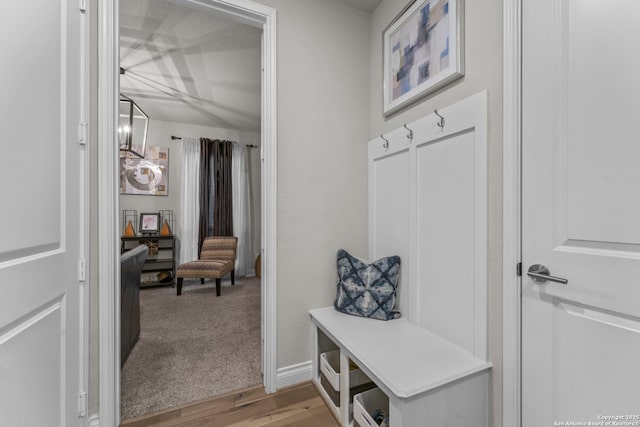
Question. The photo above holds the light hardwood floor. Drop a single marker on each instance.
(295, 406)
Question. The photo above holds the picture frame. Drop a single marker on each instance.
(148, 176)
(149, 223)
(423, 51)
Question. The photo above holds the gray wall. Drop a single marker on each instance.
(483, 70)
(323, 120)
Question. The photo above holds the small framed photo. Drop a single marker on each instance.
(149, 222)
(423, 51)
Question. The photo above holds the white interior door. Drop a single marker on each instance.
(42, 85)
(581, 212)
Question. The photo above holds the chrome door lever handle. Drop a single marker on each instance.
(540, 274)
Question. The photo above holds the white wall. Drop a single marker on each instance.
(323, 120)
(483, 70)
(160, 133)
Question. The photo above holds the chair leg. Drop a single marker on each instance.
(233, 277)
(218, 286)
(179, 290)
(202, 280)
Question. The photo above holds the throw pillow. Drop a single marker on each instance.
(367, 289)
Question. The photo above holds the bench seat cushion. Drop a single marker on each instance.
(212, 269)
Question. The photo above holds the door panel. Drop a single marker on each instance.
(601, 126)
(31, 110)
(580, 213)
(36, 374)
(597, 353)
(42, 84)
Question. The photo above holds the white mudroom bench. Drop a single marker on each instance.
(428, 380)
(427, 205)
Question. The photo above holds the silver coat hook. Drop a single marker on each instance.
(386, 142)
(441, 122)
(410, 135)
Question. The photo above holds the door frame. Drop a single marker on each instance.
(244, 11)
(511, 212)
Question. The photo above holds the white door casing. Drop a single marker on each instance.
(42, 169)
(511, 191)
(580, 216)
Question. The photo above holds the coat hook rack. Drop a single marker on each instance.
(410, 134)
(441, 122)
(386, 142)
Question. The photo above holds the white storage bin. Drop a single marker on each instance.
(366, 403)
(330, 368)
(334, 395)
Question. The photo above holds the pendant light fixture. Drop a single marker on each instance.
(133, 125)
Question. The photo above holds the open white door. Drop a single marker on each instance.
(42, 81)
(581, 213)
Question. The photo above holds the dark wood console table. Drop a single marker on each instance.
(161, 257)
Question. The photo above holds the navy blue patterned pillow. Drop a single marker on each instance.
(367, 290)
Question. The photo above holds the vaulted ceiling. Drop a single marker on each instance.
(184, 65)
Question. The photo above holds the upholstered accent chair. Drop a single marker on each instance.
(217, 258)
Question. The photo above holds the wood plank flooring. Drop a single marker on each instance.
(295, 406)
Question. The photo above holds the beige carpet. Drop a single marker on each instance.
(193, 346)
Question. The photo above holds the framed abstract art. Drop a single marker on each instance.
(423, 51)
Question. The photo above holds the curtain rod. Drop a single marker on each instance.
(173, 137)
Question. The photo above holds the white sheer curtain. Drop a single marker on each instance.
(242, 209)
(190, 200)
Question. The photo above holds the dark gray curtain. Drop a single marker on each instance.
(216, 197)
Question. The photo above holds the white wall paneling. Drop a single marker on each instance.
(389, 233)
(429, 206)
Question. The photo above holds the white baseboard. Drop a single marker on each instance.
(93, 421)
(294, 374)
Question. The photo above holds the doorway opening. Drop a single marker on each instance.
(197, 78)
(109, 226)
